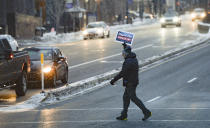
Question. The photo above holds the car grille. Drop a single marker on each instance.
(92, 34)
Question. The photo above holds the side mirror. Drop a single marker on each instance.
(62, 58)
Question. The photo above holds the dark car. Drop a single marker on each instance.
(14, 66)
(55, 66)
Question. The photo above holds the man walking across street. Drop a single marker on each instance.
(129, 73)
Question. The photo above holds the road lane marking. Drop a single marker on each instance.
(99, 121)
(102, 109)
(192, 80)
(100, 59)
(158, 97)
(115, 62)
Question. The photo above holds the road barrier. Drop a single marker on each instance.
(203, 27)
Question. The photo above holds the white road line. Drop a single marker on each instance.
(153, 99)
(100, 59)
(98, 121)
(115, 62)
(192, 80)
(179, 120)
(104, 109)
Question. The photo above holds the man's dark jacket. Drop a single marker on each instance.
(129, 71)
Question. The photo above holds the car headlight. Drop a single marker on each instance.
(176, 19)
(99, 31)
(47, 69)
(203, 15)
(162, 20)
(193, 15)
(85, 32)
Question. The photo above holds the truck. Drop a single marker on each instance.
(14, 66)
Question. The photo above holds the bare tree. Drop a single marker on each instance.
(55, 9)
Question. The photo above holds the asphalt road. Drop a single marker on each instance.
(176, 91)
(93, 57)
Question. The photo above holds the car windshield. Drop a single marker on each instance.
(96, 25)
(35, 55)
(170, 14)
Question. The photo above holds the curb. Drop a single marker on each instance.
(82, 86)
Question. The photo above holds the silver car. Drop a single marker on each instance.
(96, 30)
(170, 19)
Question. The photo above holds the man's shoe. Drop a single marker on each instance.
(122, 118)
(146, 116)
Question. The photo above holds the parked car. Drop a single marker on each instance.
(148, 16)
(96, 30)
(55, 66)
(198, 14)
(170, 19)
(14, 66)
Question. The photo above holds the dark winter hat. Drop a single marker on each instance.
(127, 49)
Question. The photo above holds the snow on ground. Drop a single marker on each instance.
(32, 103)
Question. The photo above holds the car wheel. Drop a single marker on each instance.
(163, 26)
(178, 25)
(65, 77)
(21, 87)
(103, 36)
(85, 38)
(108, 35)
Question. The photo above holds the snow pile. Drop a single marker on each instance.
(80, 87)
(136, 23)
(32, 103)
(204, 24)
(62, 38)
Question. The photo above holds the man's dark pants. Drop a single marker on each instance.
(130, 94)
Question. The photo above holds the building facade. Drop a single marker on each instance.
(16, 16)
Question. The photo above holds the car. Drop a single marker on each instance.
(55, 66)
(96, 30)
(198, 14)
(14, 66)
(148, 16)
(171, 18)
(13, 43)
